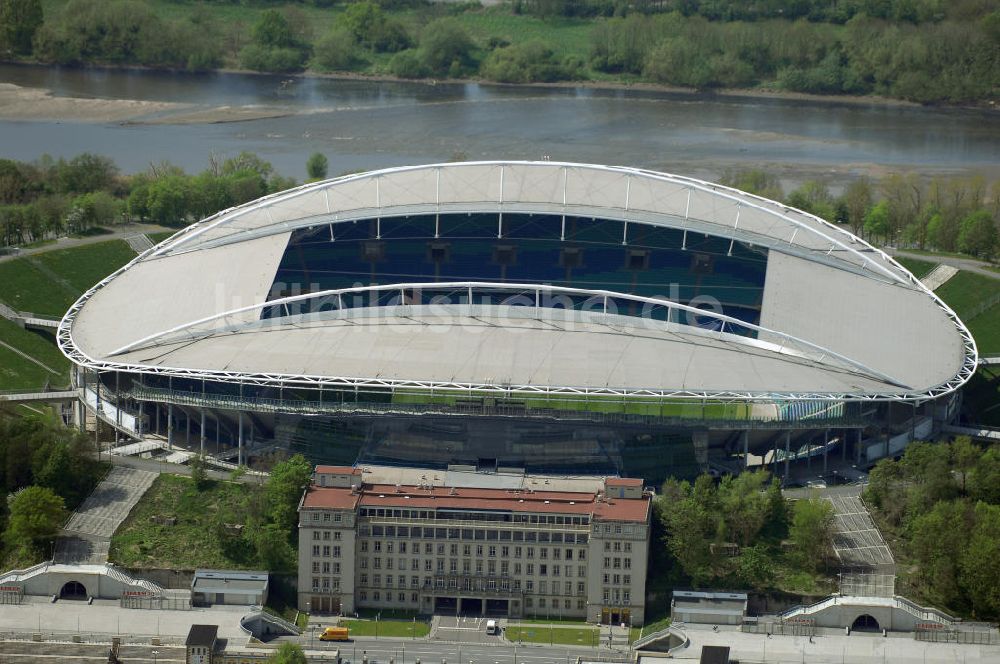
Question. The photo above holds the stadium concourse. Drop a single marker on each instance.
(540, 316)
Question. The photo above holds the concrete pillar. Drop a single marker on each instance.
(746, 449)
(239, 450)
(857, 449)
(157, 407)
(118, 399)
(170, 426)
(187, 423)
(826, 444)
(843, 444)
(788, 440)
(202, 431)
(83, 400)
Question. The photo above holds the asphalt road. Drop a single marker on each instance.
(969, 264)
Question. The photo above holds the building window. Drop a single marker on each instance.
(628, 547)
(628, 563)
(364, 546)
(315, 568)
(336, 552)
(315, 535)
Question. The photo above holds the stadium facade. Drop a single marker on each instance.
(552, 317)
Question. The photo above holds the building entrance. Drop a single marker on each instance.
(445, 605)
(73, 590)
(471, 606)
(497, 608)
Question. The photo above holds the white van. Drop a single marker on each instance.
(492, 627)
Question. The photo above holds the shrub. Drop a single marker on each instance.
(525, 63)
(446, 48)
(336, 50)
(408, 64)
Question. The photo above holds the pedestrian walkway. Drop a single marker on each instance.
(87, 535)
(939, 276)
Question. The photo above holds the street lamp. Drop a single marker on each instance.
(155, 653)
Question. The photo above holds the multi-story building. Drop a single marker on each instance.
(497, 551)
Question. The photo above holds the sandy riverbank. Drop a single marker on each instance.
(21, 103)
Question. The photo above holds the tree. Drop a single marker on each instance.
(811, 531)
(756, 566)
(977, 235)
(939, 536)
(877, 222)
(288, 653)
(336, 50)
(373, 29)
(19, 20)
(446, 48)
(272, 30)
(199, 472)
(284, 489)
(980, 563)
(274, 46)
(36, 514)
(984, 478)
(857, 199)
(316, 166)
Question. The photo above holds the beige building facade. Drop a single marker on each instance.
(480, 551)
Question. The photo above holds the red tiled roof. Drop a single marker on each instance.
(542, 502)
(338, 470)
(624, 481)
(330, 498)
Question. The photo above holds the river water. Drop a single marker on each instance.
(367, 124)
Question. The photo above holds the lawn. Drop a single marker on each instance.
(82, 267)
(16, 372)
(391, 628)
(49, 282)
(196, 540)
(23, 286)
(564, 636)
(919, 268)
(966, 293)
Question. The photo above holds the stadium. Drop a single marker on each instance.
(551, 317)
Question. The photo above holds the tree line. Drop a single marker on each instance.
(46, 470)
(51, 197)
(922, 50)
(948, 214)
(942, 502)
(739, 532)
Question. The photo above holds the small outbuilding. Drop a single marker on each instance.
(711, 608)
(212, 586)
(200, 644)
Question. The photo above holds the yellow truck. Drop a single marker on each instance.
(334, 634)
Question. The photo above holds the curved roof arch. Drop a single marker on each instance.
(857, 312)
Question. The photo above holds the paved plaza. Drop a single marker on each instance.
(829, 647)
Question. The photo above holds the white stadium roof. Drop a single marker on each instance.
(839, 319)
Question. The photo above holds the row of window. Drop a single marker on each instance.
(327, 550)
(327, 568)
(554, 604)
(326, 583)
(478, 567)
(476, 534)
(325, 516)
(461, 515)
(325, 535)
(617, 596)
(471, 585)
(480, 550)
(617, 563)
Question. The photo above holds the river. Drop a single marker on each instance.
(362, 124)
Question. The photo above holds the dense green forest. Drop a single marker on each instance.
(940, 508)
(921, 50)
(50, 197)
(46, 470)
(740, 532)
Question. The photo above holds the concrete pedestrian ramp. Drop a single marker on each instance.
(86, 537)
